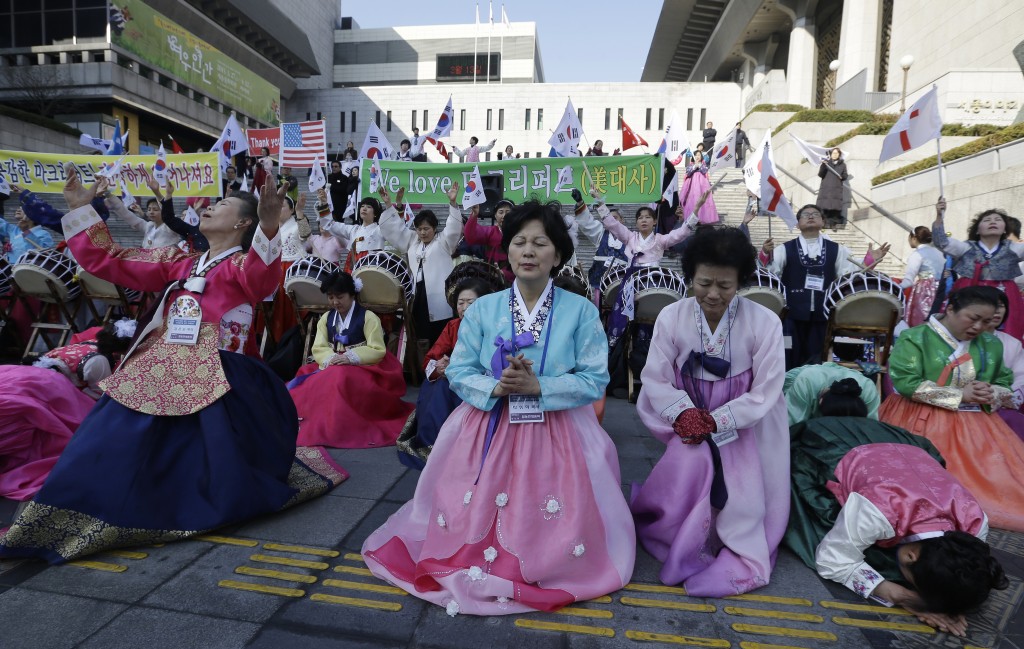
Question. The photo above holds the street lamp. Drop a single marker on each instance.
(834, 67)
(905, 63)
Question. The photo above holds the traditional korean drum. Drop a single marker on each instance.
(387, 283)
(35, 267)
(472, 268)
(6, 277)
(864, 299)
(304, 278)
(101, 289)
(654, 288)
(766, 289)
(611, 281)
(580, 282)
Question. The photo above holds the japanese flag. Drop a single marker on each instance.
(724, 155)
(772, 198)
(565, 181)
(473, 194)
(920, 124)
(160, 168)
(191, 217)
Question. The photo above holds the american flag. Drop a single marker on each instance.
(302, 144)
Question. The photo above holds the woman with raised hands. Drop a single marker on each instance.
(190, 435)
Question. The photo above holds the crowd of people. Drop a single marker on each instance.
(887, 487)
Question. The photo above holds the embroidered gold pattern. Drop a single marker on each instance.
(99, 235)
(930, 393)
(173, 380)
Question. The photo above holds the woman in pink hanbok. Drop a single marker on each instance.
(519, 508)
(715, 507)
(694, 186)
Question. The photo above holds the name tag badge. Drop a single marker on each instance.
(183, 321)
(725, 437)
(524, 409)
(970, 407)
(814, 282)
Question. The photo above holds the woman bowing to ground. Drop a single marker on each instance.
(715, 506)
(189, 435)
(519, 507)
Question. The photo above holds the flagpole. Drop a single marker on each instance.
(490, 28)
(501, 46)
(476, 35)
(938, 157)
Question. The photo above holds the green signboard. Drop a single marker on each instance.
(622, 179)
(147, 33)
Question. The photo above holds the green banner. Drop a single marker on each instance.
(193, 174)
(622, 179)
(164, 44)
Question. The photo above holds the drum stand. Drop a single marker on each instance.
(307, 326)
(881, 337)
(42, 329)
(112, 302)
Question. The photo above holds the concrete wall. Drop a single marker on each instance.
(720, 100)
(973, 96)
(942, 36)
(316, 18)
(16, 135)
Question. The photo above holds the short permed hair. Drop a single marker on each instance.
(954, 573)
(723, 247)
(972, 230)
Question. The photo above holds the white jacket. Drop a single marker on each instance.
(436, 256)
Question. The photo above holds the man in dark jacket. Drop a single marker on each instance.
(337, 183)
(742, 145)
(709, 138)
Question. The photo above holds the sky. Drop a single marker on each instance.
(580, 40)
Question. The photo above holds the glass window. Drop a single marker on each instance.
(526, 126)
(607, 118)
(661, 119)
(501, 119)
(689, 119)
(376, 119)
(620, 119)
(487, 157)
(342, 121)
(462, 119)
(414, 119)
(51, 5)
(28, 29)
(488, 120)
(352, 122)
(526, 154)
(703, 119)
(579, 115)
(91, 23)
(307, 117)
(648, 120)
(59, 27)
(540, 119)
(425, 119)
(389, 121)
(319, 115)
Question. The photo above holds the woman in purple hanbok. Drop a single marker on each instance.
(715, 507)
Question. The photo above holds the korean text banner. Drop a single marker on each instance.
(622, 179)
(147, 33)
(193, 174)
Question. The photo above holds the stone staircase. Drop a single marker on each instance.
(731, 200)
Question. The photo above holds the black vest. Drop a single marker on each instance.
(354, 334)
(799, 301)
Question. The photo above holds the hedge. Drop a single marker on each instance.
(1006, 135)
(883, 127)
(822, 115)
(39, 120)
(774, 108)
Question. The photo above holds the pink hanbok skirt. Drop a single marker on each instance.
(545, 525)
(691, 191)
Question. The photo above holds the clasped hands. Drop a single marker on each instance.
(979, 392)
(517, 378)
(694, 425)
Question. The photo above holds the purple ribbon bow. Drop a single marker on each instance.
(506, 348)
(713, 364)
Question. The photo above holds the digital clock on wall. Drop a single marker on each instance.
(461, 67)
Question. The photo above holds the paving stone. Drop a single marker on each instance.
(141, 577)
(195, 589)
(377, 517)
(273, 638)
(160, 629)
(36, 620)
(353, 622)
(405, 488)
(321, 522)
(438, 630)
(373, 472)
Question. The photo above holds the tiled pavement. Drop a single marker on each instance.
(295, 579)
